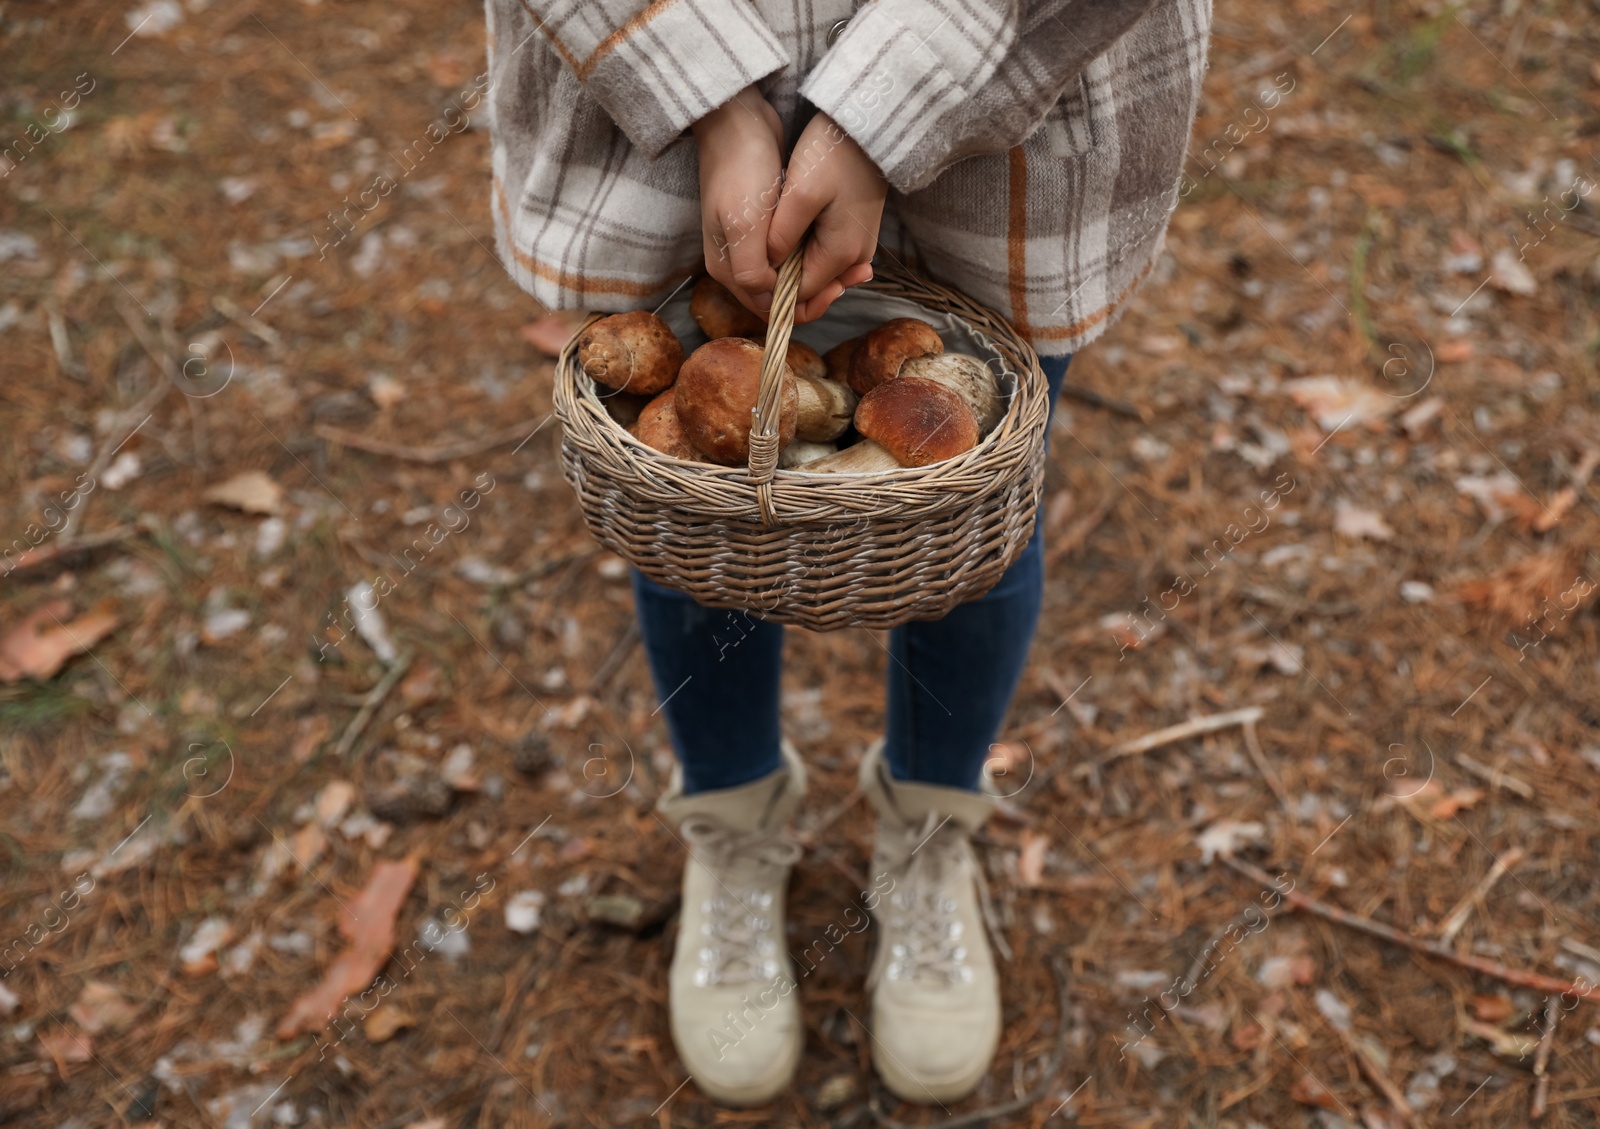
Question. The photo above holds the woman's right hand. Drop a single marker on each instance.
(740, 146)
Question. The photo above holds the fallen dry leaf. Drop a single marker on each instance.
(385, 1021)
(308, 734)
(100, 1007)
(1247, 1036)
(64, 1045)
(1492, 1009)
(1307, 1090)
(1226, 836)
(1416, 420)
(1507, 273)
(1495, 494)
(333, 801)
(368, 924)
(423, 684)
(1030, 863)
(253, 492)
(1337, 402)
(1456, 801)
(550, 333)
(41, 644)
(1351, 520)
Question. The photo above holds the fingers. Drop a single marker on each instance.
(797, 207)
(814, 307)
(751, 275)
(856, 275)
(735, 249)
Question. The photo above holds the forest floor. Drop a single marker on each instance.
(1360, 500)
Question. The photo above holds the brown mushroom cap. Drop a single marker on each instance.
(633, 352)
(659, 427)
(918, 421)
(973, 379)
(804, 361)
(719, 314)
(716, 398)
(879, 355)
(838, 360)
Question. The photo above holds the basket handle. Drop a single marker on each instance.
(764, 428)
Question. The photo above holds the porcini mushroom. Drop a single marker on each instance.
(882, 351)
(906, 422)
(716, 397)
(632, 352)
(966, 375)
(660, 427)
(719, 314)
(804, 360)
(825, 408)
(837, 360)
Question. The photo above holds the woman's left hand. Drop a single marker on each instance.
(832, 182)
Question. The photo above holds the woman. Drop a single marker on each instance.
(1025, 151)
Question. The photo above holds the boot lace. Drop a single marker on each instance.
(923, 930)
(737, 944)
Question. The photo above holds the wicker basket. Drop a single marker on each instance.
(822, 551)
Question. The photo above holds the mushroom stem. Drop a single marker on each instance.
(865, 457)
(826, 407)
(801, 452)
(968, 377)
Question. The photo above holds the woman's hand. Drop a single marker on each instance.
(741, 172)
(831, 181)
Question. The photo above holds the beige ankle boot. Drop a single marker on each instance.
(935, 993)
(734, 1009)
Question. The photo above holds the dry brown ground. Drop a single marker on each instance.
(1339, 238)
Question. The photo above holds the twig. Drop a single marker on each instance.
(44, 554)
(620, 650)
(1078, 532)
(63, 345)
(247, 321)
(1579, 949)
(375, 697)
(442, 453)
(1252, 745)
(1457, 917)
(1567, 497)
(1058, 965)
(1089, 396)
(1495, 777)
(1516, 976)
(1541, 1063)
(1373, 1069)
(1195, 726)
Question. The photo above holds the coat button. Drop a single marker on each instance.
(836, 31)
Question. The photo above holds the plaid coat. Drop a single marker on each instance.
(1033, 147)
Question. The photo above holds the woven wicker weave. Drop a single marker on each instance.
(822, 551)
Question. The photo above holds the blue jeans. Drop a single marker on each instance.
(950, 680)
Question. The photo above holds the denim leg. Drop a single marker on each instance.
(716, 674)
(951, 679)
